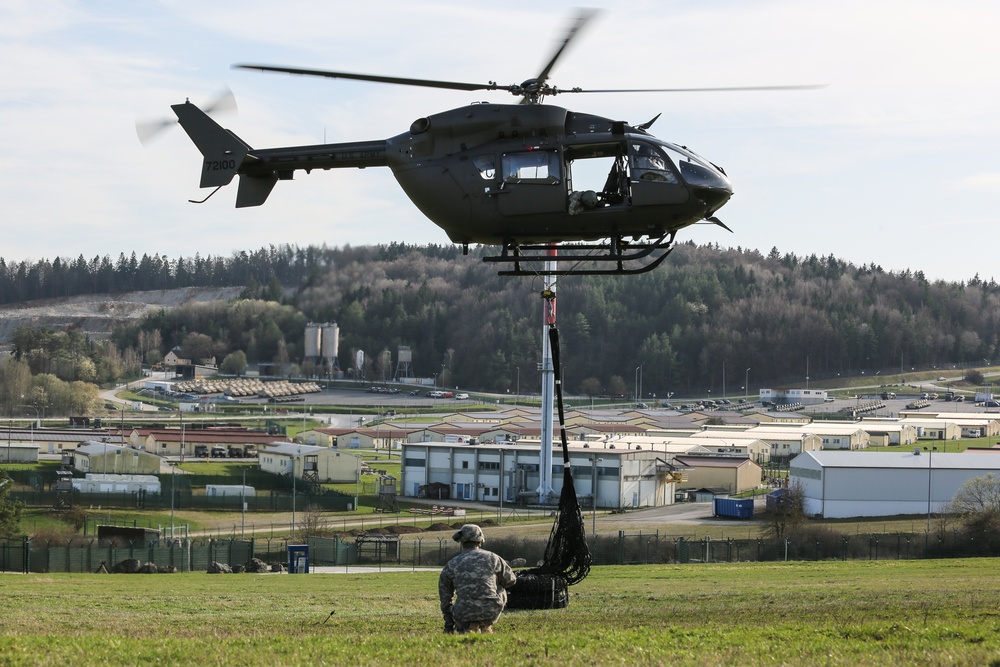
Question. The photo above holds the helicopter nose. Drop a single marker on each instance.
(714, 197)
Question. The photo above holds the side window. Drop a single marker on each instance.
(531, 167)
(486, 166)
(649, 164)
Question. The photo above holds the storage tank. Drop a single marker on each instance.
(331, 342)
(312, 344)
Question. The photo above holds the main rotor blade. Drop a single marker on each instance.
(426, 83)
(582, 17)
(686, 90)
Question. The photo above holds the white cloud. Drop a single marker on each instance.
(909, 116)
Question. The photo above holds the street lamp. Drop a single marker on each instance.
(172, 501)
(501, 485)
(930, 467)
(638, 380)
(243, 505)
(746, 385)
(593, 491)
(299, 451)
(517, 396)
(357, 482)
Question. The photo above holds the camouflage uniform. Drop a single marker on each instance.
(479, 580)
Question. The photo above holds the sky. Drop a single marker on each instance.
(893, 162)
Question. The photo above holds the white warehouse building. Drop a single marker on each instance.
(619, 477)
(840, 485)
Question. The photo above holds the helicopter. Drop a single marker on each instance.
(507, 175)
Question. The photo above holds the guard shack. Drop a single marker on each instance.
(379, 548)
(298, 559)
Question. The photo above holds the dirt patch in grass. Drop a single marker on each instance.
(441, 526)
(403, 530)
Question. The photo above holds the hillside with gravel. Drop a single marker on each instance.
(96, 315)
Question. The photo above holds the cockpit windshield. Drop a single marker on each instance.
(694, 169)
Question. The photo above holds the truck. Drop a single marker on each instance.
(983, 396)
(201, 451)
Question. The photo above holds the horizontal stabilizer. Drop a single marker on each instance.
(254, 190)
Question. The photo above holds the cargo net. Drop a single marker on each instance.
(567, 555)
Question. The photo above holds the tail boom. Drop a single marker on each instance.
(226, 155)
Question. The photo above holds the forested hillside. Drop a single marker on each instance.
(704, 307)
(704, 310)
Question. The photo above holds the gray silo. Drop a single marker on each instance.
(330, 345)
(312, 345)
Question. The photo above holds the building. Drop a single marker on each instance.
(930, 428)
(886, 432)
(110, 483)
(790, 396)
(190, 441)
(105, 458)
(972, 424)
(509, 473)
(841, 485)
(55, 440)
(316, 464)
(718, 444)
(733, 474)
(16, 451)
(786, 440)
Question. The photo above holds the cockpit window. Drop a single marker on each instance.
(649, 164)
(531, 167)
(694, 169)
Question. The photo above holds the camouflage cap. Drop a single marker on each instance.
(470, 532)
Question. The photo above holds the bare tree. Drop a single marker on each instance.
(977, 503)
(314, 522)
(786, 516)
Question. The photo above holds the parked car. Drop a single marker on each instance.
(461, 397)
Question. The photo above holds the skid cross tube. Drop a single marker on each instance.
(623, 257)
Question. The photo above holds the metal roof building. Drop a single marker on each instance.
(856, 484)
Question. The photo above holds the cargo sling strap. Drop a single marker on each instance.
(567, 554)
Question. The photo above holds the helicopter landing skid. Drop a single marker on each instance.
(616, 257)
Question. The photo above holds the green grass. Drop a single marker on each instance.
(884, 613)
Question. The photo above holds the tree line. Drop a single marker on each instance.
(262, 272)
(697, 323)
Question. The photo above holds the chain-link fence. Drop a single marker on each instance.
(386, 549)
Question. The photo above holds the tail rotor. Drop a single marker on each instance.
(148, 130)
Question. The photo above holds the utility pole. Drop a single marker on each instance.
(545, 490)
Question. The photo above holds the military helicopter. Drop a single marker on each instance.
(507, 174)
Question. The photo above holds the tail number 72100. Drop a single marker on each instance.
(219, 165)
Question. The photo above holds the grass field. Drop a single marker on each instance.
(828, 613)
